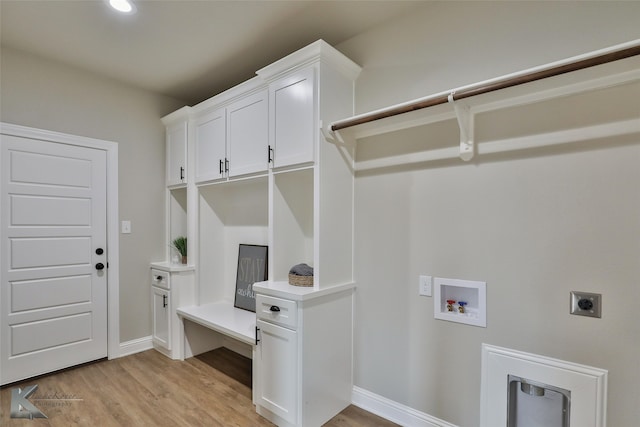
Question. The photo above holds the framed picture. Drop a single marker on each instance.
(252, 267)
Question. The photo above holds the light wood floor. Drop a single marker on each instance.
(148, 389)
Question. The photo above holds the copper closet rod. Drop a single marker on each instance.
(490, 87)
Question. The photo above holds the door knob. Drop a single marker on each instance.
(99, 266)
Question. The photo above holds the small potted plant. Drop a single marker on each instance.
(180, 245)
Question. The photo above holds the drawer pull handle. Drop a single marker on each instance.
(274, 308)
(159, 278)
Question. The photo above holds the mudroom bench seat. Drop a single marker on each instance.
(224, 318)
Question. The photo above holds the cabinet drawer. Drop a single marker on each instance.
(277, 310)
(160, 279)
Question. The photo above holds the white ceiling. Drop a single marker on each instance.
(189, 50)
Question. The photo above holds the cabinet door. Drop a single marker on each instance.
(247, 135)
(161, 318)
(292, 117)
(277, 370)
(211, 140)
(177, 154)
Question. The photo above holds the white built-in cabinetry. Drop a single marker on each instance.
(304, 354)
(293, 116)
(171, 287)
(160, 310)
(231, 138)
(211, 145)
(176, 140)
(259, 172)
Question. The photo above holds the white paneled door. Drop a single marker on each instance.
(53, 289)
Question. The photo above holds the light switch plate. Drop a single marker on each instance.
(125, 227)
(425, 285)
(586, 304)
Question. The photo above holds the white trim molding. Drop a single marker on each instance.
(394, 411)
(135, 346)
(588, 385)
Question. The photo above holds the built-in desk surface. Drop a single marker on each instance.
(224, 318)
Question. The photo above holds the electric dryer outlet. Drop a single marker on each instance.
(586, 304)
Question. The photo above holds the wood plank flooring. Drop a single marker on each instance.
(148, 389)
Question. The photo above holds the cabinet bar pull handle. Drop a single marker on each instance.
(257, 340)
(226, 165)
(181, 173)
(164, 301)
(270, 154)
(274, 308)
(221, 171)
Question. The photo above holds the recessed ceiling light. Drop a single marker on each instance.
(123, 6)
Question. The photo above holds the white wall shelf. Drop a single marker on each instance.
(469, 116)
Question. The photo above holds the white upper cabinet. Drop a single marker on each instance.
(211, 145)
(177, 154)
(232, 140)
(292, 113)
(177, 131)
(247, 134)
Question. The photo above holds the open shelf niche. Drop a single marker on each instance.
(229, 214)
(177, 201)
(292, 220)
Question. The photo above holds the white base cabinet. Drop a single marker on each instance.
(161, 317)
(277, 370)
(172, 286)
(303, 363)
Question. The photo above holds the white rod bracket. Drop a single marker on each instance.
(335, 137)
(328, 134)
(465, 123)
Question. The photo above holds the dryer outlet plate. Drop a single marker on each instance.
(586, 304)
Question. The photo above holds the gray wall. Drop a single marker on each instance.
(534, 225)
(46, 95)
(537, 224)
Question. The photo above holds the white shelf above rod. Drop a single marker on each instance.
(581, 62)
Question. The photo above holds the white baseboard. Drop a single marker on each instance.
(394, 411)
(135, 346)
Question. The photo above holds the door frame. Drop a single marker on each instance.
(113, 252)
